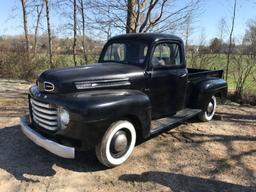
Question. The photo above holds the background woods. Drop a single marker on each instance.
(84, 25)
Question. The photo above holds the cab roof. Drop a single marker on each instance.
(148, 37)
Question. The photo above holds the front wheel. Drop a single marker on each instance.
(208, 113)
(117, 144)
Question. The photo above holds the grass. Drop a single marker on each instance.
(219, 61)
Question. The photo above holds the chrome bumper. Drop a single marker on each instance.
(56, 148)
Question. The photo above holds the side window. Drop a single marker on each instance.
(166, 54)
(115, 52)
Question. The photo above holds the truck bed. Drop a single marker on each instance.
(196, 74)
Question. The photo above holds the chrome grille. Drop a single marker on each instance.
(44, 115)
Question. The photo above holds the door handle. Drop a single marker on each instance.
(148, 74)
(184, 75)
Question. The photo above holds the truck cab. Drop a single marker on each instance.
(140, 87)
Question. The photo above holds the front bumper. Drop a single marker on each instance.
(53, 147)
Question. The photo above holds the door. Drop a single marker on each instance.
(168, 79)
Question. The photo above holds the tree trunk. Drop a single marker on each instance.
(39, 13)
(49, 32)
(75, 32)
(230, 39)
(25, 25)
(109, 26)
(188, 29)
(131, 17)
(83, 29)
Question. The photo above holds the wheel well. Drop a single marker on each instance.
(220, 96)
(136, 122)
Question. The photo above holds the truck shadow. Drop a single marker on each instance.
(179, 182)
(19, 156)
(199, 139)
(238, 118)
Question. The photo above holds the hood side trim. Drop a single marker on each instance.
(102, 83)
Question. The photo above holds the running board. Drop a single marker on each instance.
(159, 125)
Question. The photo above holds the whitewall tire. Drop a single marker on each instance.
(208, 113)
(117, 144)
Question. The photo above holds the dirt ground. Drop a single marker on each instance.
(194, 157)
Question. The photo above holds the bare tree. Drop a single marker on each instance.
(201, 57)
(243, 68)
(82, 11)
(25, 24)
(49, 32)
(39, 10)
(105, 16)
(74, 31)
(140, 16)
(230, 38)
(109, 25)
(222, 28)
(215, 45)
(245, 61)
(250, 37)
(148, 22)
(188, 30)
(131, 16)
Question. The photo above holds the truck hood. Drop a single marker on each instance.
(93, 76)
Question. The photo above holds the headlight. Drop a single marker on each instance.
(63, 117)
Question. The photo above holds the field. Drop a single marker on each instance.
(219, 61)
(194, 157)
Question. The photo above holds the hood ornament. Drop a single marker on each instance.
(48, 86)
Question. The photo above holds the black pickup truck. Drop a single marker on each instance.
(140, 87)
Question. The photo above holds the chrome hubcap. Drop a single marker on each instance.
(120, 142)
(210, 108)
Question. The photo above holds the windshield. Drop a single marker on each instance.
(126, 52)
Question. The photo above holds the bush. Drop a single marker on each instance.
(18, 65)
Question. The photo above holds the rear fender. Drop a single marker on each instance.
(206, 89)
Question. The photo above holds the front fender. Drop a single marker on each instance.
(98, 104)
(92, 112)
(111, 105)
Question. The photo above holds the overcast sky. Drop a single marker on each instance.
(207, 21)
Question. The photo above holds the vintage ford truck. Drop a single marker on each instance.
(140, 87)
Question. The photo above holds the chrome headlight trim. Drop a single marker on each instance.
(63, 117)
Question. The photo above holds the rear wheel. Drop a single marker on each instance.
(117, 144)
(208, 113)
